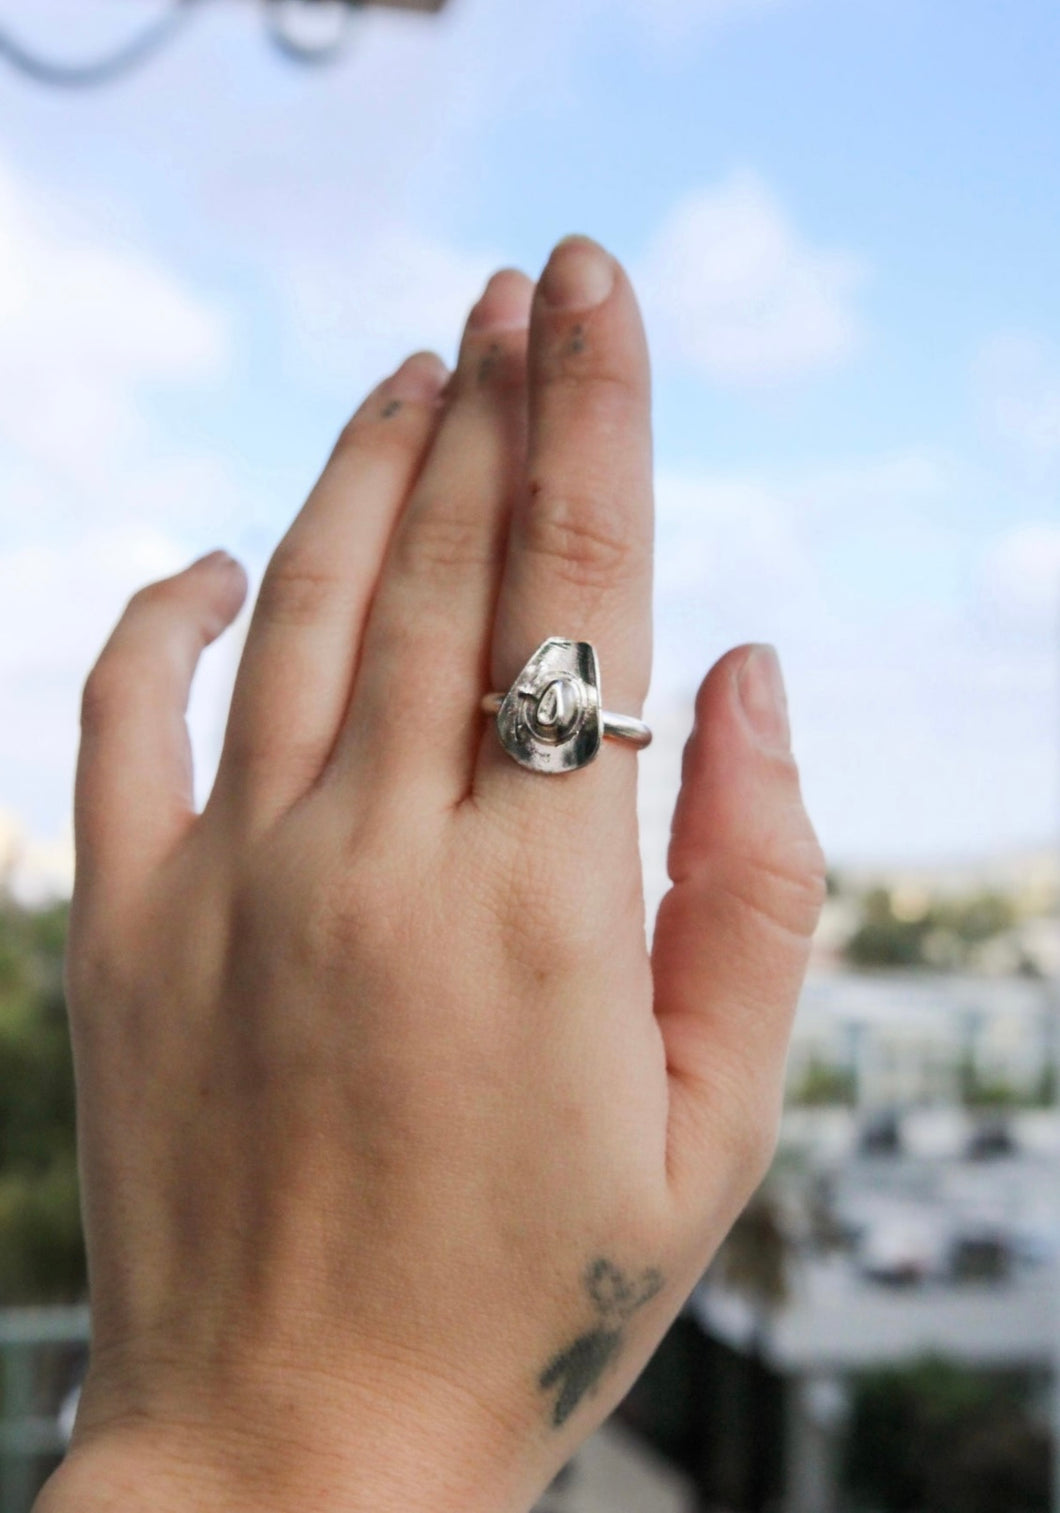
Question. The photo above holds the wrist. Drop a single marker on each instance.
(129, 1477)
(384, 1460)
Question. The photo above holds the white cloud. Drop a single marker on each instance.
(1018, 379)
(732, 289)
(96, 502)
(914, 723)
(923, 710)
(715, 537)
(87, 326)
(757, 556)
(1021, 579)
(394, 292)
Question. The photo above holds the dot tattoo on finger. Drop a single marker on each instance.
(488, 361)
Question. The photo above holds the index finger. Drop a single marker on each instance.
(579, 560)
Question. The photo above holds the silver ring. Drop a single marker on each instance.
(550, 720)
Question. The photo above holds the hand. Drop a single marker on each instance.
(399, 1152)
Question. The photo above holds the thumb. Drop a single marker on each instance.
(732, 936)
(133, 796)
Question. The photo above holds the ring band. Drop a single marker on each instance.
(550, 720)
(618, 727)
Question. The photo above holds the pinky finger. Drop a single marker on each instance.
(133, 797)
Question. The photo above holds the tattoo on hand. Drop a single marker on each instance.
(577, 1370)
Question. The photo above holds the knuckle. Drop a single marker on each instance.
(295, 591)
(580, 537)
(787, 889)
(96, 697)
(152, 595)
(436, 538)
(104, 688)
(547, 923)
(352, 917)
(101, 979)
(88, 972)
(801, 884)
(145, 642)
(258, 754)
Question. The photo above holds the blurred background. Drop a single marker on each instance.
(222, 221)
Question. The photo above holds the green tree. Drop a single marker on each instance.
(754, 1262)
(946, 934)
(822, 1083)
(979, 918)
(937, 1436)
(884, 940)
(41, 1248)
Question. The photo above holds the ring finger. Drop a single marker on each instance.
(297, 666)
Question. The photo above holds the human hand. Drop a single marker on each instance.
(399, 1152)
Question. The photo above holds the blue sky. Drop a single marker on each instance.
(841, 216)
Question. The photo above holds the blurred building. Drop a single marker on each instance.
(912, 1039)
(931, 1233)
(917, 1190)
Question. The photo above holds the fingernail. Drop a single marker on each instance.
(579, 274)
(765, 703)
(421, 376)
(505, 303)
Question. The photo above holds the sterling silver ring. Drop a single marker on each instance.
(550, 720)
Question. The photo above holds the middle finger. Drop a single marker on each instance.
(413, 718)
